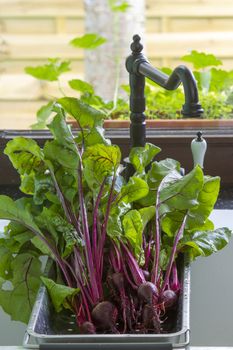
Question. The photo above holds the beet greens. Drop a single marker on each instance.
(115, 242)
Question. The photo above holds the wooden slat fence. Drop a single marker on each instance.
(31, 31)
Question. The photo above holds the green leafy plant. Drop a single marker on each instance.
(50, 71)
(118, 5)
(83, 90)
(115, 242)
(215, 90)
(88, 41)
(201, 60)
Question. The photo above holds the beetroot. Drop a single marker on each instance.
(118, 280)
(168, 298)
(104, 315)
(87, 328)
(147, 316)
(150, 318)
(146, 275)
(148, 293)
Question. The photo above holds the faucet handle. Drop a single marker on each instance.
(136, 46)
(198, 147)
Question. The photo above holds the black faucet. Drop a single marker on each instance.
(139, 67)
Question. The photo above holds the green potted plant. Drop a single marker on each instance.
(163, 106)
(215, 92)
(116, 244)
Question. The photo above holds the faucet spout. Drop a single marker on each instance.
(139, 67)
(181, 74)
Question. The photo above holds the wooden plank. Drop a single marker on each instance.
(40, 26)
(20, 115)
(200, 25)
(40, 46)
(43, 2)
(182, 2)
(28, 8)
(173, 45)
(166, 44)
(187, 10)
(153, 25)
(18, 86)
(27, 25)
(72, 8)
(32, 3)
(60, 25)
(25, 51)
(24, 87)
(15, 121)
(17, 66)
(75, 26)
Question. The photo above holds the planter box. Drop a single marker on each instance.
(170, 123)
(48, 330)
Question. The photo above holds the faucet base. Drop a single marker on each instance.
(192, 110)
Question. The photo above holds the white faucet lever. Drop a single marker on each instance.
(199, 147)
